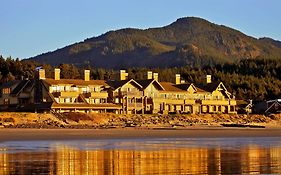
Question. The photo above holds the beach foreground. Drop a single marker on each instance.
(77, 120)
(132, 133)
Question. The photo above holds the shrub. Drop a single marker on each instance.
(76, 116)
(10, 119)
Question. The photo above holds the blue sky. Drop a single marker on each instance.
(32, 27)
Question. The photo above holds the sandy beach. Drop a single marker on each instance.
(33, 126)
(130, 133)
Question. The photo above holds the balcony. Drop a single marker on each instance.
(102, 94)
(133, 105)
(232, 102)
(215, 102)
(128, 93)
(66, 94)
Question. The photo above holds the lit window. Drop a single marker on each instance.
(67, 88)
(6, 101)
(6, 91)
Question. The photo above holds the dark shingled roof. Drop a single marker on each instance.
(118, 83)
(20, 86)
(10, 84)
(168, 86)
(146, 83)
(184, 86)
(75, 82)
(209, 87)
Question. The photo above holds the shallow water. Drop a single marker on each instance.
(260, 155)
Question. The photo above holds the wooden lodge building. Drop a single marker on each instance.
(117, 96)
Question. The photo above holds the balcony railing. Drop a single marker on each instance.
(102, 94)
(128, 93)
(137, 105)
(66, 94)
(215, 102)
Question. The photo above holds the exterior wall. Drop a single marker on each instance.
(130, 97)
(192, 102)
(151, 91)
(66, 93)
(46, 93)
(6, 99)
(129, 88)
(11, 100)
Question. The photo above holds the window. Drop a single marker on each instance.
(6, 101)
(84, 90)
(56, 88)
(75, 89)
(67, 100)
(6, 91)
(62, 88)
(97, 89)
(67, 88)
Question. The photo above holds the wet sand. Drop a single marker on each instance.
(130, 133)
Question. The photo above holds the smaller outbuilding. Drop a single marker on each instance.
(273, 106)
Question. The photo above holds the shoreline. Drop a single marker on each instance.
(134, 133)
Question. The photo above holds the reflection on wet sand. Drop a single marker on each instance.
(65, 160)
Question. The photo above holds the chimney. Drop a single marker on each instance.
(178, 79)
(42, 74)
(123, 75)
(57, 74)
(155, 76)
(209, 78)
(149, 75)
(87, 75)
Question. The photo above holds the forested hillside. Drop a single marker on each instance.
(186, 42)
(246, 79)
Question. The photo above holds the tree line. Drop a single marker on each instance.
(246, 79)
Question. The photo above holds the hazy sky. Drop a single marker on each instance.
(32, 27)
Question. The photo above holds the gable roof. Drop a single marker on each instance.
(185, 87)
(115, 84)
(9, 84)
(20, 87)
(275, 106)
(75, 82)
(168, 86)
(209, 87)
(146, 83)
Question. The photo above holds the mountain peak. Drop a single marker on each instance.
(187, 41)
(190, 20)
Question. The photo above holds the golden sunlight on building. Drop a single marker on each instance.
(125, 95)
(4, 164)
(72, 161)
(252, 158)
(275, 159)
(65, 160)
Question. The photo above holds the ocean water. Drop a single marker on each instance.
(247, 155)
